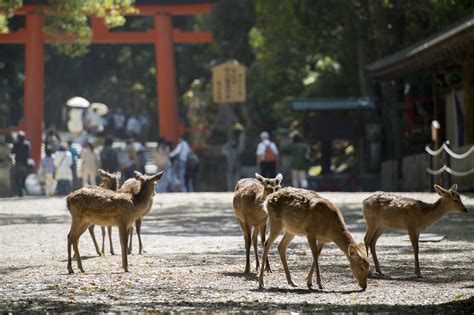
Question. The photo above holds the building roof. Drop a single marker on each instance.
(348, 103)
(439, 51)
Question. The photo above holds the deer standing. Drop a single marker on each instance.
(109, 181)
(105, 207)
(383, 210)
(304, 212)
(250, 193)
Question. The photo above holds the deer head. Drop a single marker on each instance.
(270, 184)
(359, 263)
(110, 180)
(451, 198)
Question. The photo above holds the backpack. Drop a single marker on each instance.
(269, 155)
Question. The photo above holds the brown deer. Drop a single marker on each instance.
(306, 213)
(250, 193)
(109, 181)
(131, 186)
(105, 207)
(383, 210)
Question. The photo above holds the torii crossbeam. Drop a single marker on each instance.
(163, 36)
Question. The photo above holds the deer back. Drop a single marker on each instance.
(248, 200)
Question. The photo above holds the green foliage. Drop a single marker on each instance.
(7, 7)
(66, 20)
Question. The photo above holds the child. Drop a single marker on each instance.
(47, 168)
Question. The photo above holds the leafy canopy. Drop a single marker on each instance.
(66, 20)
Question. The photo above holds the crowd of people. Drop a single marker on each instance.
(64, 169)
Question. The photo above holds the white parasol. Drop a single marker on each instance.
(78, 102)
(101, 109)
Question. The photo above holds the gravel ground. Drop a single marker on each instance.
(194, 261)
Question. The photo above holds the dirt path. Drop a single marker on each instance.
(194, 261)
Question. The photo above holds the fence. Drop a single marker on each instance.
(452, 165)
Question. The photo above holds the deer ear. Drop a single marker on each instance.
(259, 177)
(118, 175)
(454, 187)
(352, 250)
(279, 177)
(157, 176)
(441, 191)
(101, 171)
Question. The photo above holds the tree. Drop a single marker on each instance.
(66, 20)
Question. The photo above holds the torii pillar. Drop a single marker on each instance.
(166, 77)
(34, 84)
(163, 36)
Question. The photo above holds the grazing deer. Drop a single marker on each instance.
(105, 207)
(306, 213)
(109, 181)
(383, 210)
(248, 201)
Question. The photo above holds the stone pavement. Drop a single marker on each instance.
(194, 262)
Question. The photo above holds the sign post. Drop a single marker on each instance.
(228, 88)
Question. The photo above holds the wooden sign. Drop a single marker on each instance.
(228, 82)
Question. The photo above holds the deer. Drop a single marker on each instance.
(107, 208)
(249, 195)
(109, 181)
(304, 212)
(132, 186)
(383, 210)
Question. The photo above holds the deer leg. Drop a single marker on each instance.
(369, 234)
(373, 241)
(91, 231)
(102, 228)
(138, 226)
(263, 228)
(414, 236)
(129, 237)
(275, 228)
(246, 230)
(316, 247)
(109, 231)
(282, 246)
(254, 243)
(123, 230)
(75, 239)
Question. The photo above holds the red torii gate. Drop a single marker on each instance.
(163, 36)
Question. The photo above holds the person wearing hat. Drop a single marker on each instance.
(21, 152)
(267, 156)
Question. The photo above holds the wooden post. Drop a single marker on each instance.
(34, 84)
(166, 78)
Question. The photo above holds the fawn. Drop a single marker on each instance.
(304, 212)
(383, 210)
(96, 205)
(248, 201)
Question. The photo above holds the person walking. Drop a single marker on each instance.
(181, 152)
(47, 170)
(75, 157)
(162, 161)
(299, 162)
(192, 167)
(109, 157)
(63, 172)
(89, 165)
(267, 156)
(21, 152)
